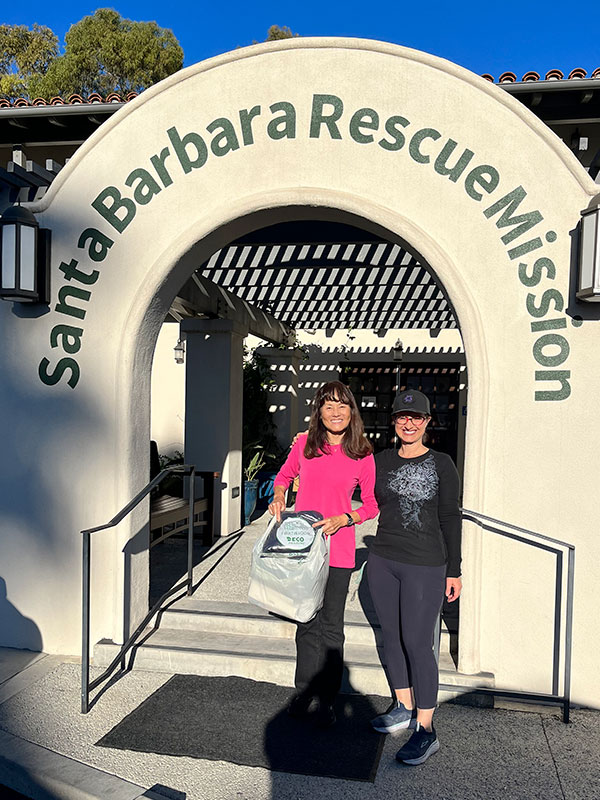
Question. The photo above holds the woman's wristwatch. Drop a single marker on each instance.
(350, 520)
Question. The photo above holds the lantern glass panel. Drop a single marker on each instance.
(27, 258)
(9, 239)
(589, 246)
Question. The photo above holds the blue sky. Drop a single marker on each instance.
(482, 36)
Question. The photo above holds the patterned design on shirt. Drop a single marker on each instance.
(414, 484)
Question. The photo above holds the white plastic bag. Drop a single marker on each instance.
(290, 566)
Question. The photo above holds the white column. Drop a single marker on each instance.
(213, 407)
(283, 395)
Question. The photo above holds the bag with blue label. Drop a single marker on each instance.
(290, 566)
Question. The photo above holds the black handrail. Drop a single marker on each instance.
(557, 547)
(86, 685)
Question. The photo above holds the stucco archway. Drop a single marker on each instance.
(414, 144)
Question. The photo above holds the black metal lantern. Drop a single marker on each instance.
(589, 256)
(398, 351)
(24, 257)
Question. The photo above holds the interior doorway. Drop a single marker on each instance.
(340, 276)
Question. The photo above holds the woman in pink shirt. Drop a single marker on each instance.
(331, 460)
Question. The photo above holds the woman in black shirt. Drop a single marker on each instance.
(413, 562)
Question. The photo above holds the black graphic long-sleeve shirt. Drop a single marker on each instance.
(419, 520)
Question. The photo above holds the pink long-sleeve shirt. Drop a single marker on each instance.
(326, 485)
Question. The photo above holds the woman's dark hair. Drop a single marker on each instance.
(354, 444)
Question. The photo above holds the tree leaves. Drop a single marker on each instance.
(104, 53)
(24, 55)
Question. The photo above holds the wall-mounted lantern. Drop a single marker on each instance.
(24, 257)
(589, 256)
(398, 351)
(179, 352)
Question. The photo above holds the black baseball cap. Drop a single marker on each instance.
(411, 401)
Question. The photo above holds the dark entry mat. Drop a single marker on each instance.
(245, 722)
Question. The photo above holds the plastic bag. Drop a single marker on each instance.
(290, 566)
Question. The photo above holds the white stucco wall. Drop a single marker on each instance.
(73, 454)
(168, 393)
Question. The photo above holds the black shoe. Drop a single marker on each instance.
(325, 716)
(419, 747)
(299, 705)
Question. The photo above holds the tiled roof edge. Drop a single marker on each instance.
(72, 100)
(76, 99)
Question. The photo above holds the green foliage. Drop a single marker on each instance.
(106, 53)
(172, 485)
(256, 463)
(258, 427)
(25, 56)
(174, 460)
(103, 53)
(275, 32)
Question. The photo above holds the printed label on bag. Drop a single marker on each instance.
(295, 534)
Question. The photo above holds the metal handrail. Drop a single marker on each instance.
(557, 547)
(86, 685)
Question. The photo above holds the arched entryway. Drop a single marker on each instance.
(406, 141)
(364, 308)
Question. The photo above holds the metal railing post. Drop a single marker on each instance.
(190, 555)
(216, 515)
(568, 633)
(86, 684)
(85, 625)
(558, 606)
(557, 547)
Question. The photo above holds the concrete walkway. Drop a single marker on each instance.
(48, 750)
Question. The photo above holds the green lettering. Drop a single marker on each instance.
(457, 170)
(318, 118)
(508, 205)
(146, 188)
(549, 324)
(71, 271)
(549, 296)
(225, 141)
(415, 143)
(119, 213)
(246, 118)
(536, 276)
(561, 375)
(180, 146)
(484, 176)
(364, 118)
(62, 307)
(158, 162)
(283, 127)
(391, 127)
(99, 244)
(71, 337)
(551, 340)
(60, 369)
(523, 249)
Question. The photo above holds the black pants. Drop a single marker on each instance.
(408, 599)
(320, 642)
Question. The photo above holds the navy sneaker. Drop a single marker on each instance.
(395, 718)
(419, 747)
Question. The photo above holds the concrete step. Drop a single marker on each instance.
(194, 614)
(265, 658)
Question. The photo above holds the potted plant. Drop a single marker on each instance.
(251, 470)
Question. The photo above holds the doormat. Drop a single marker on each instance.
(245, 722)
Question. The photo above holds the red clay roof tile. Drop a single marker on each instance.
(76, 99)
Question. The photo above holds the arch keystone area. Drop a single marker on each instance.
(441, 158)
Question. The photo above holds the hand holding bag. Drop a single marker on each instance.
(290, 567)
